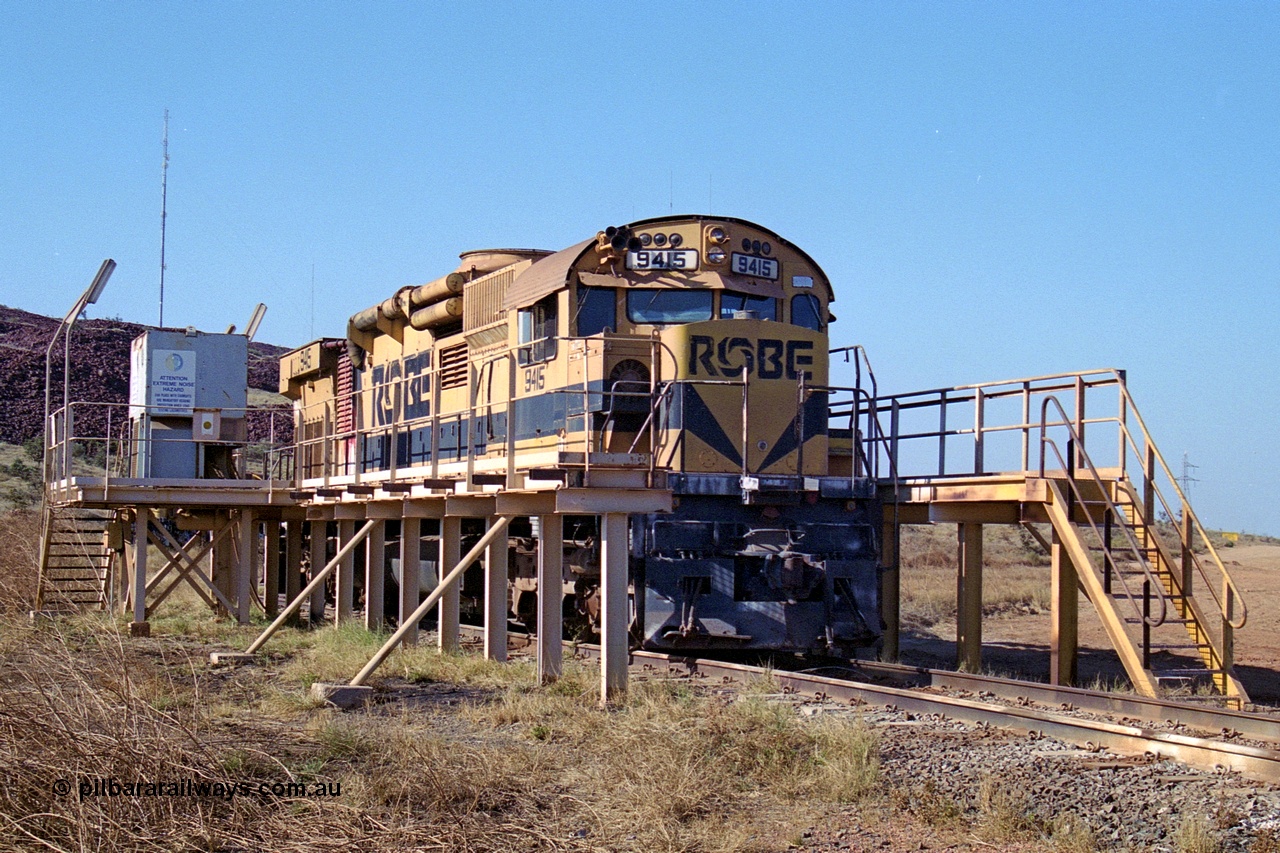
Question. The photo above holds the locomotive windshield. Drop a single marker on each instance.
(765, 307)
(664, 307)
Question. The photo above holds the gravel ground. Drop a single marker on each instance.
(952, 773)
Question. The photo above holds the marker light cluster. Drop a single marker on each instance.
(661, 240)
(755, 247)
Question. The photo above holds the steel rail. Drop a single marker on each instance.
(1132, 706)
(1250, 761)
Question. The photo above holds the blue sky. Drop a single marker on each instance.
(997, 190)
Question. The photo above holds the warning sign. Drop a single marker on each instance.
(173, 382)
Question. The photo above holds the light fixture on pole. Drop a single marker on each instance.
(89, 297)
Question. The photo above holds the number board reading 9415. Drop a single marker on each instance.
(756, 267)
(663, 259)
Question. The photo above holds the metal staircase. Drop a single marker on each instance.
(1165, 636)
(75, 559)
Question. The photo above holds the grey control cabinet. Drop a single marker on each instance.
(187, 396)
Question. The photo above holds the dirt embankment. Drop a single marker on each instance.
(99, 368)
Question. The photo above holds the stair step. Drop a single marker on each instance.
(1134, 620)
(1161, 674)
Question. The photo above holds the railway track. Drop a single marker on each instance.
(1247, 743)
(1198, 736)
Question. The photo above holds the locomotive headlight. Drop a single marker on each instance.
(716, 234)
(715, 256)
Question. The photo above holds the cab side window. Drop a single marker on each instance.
(537, 331)
(806, 311)
(597, 310)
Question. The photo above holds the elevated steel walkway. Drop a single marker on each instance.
(1028, 452)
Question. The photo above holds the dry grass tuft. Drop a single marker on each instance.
(19, 560)
(1006, 813)
(1072, 835)
(928, 803)
(1195, 835)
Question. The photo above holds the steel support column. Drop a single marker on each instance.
(550, 584)
(614, 609)
(292, 560)
(410, 574)
(449, 609)
(969, 598)
(138, 595)
(344, 598)
(318, 548)
(271, 568)
(890, 590)
(246, 545)
(1064, 609)
(375, 573)
(495, 598)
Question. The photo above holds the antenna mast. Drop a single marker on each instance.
(164, 208)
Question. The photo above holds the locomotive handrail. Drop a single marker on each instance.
(860, 358)
(1076, 451)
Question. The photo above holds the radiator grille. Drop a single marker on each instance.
(453, 366)
(346, 384)
(482, 303)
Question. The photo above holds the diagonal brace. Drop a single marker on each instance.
(499, 527)
(316, 581)
(184, 573)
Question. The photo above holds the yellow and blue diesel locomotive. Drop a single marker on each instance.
(687, 353)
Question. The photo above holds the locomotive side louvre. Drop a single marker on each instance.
(687, 352)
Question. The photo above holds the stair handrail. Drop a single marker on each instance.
(1076, 450)
(1235, 597)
